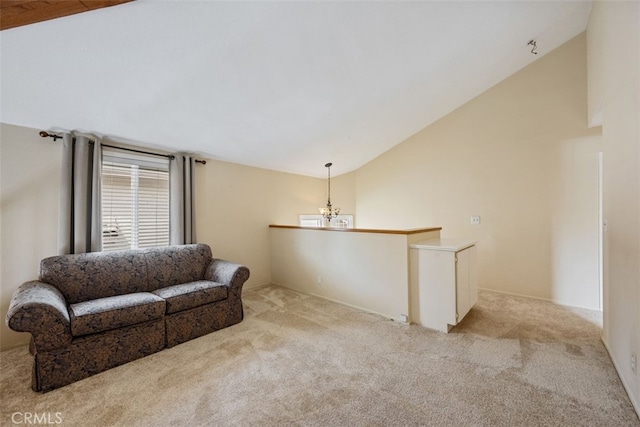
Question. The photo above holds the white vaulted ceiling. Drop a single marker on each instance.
(287, 86)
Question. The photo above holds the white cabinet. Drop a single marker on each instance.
(443, 282)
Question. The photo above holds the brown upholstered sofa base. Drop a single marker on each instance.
(196, 322)
(92, 354)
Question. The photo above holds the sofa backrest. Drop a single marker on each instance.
(173, 265)
(83, 277)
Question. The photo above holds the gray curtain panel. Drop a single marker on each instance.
(181, 209)
(80, 227)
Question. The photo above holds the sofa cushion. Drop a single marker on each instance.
(192, 294)
(103, 314)
(94, 275)
(83, 277)
(175, 265)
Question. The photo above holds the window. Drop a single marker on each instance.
(341, 221)
(310, 220)
(135, 201)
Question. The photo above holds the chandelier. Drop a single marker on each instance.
(329, 212)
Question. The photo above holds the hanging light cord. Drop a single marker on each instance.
(328, 166)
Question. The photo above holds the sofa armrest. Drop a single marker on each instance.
(40, 308)
(229, 274)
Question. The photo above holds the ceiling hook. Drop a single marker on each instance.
(533, 43)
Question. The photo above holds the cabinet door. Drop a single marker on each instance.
(464, 297)
(436, 305)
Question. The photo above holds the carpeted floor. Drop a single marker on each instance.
(298, 360)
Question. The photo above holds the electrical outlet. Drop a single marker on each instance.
(634, 363)
(319, 280)
(475, 219)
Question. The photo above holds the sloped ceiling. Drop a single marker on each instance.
(287, 86)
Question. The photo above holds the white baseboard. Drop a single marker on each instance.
(386, 316)
(541, 299)
(251, 288)
(627, 388)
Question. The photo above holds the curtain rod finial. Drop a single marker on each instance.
(46, 134)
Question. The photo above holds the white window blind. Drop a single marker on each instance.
(135, 201)
(341, 221)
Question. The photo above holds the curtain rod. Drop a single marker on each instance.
(45, 134)
(168, 156)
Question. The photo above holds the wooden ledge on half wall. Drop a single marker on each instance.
(360, 230)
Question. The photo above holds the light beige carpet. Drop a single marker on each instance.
(298, 360)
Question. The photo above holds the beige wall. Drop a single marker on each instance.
(235, 204)
(521, 156)
(369, 271)
(614, 84)
(29, 193)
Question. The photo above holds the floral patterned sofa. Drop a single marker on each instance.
(92, 312)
